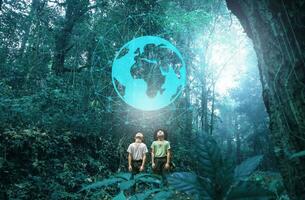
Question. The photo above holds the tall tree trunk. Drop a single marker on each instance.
(228, 124)
(61, 48)
(204, 109)
(212, 110)
(35, 4)
(74, 12)
(204, 102)
(187, 101)
(238, 139)
(277, 29)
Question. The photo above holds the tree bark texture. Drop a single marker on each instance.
(277, 29)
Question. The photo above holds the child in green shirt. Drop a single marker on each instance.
(160, 154)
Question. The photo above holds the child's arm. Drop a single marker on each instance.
(129, 162)
(168, 156)
(152, 157)
(143, 162)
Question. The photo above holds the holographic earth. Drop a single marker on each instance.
(148, 73)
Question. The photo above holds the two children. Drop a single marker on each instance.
(160, 154)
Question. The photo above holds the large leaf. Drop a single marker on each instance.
(103, 183)
(185, 182)
(246, 168)
(226, 175)
(144, 195)
(140, 175)
(298, 154)
(149, 180)
(124, 185)
(209, 156)
(249, 190)
(120, 196)
(215, 178)
(164, 195)
(125, 176)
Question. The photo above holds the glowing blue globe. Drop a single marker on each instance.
(148, 73)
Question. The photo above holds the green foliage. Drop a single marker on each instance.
(246, 168)
(124, 182)
(185, 182)
(120, 196)
(249, 190)
(298, 154)
(50, 108)
(271, 181)
(215, 180)
(163, 195)
(103, 183)
(144, 195)
(39, 165)
(178, 19)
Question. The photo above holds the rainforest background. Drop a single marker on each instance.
(236, 131)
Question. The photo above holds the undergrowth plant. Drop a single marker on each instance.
(149, 185)
(217, 179)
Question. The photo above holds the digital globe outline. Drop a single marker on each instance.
(135, 89)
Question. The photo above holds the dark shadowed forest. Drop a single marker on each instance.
(214, 88)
